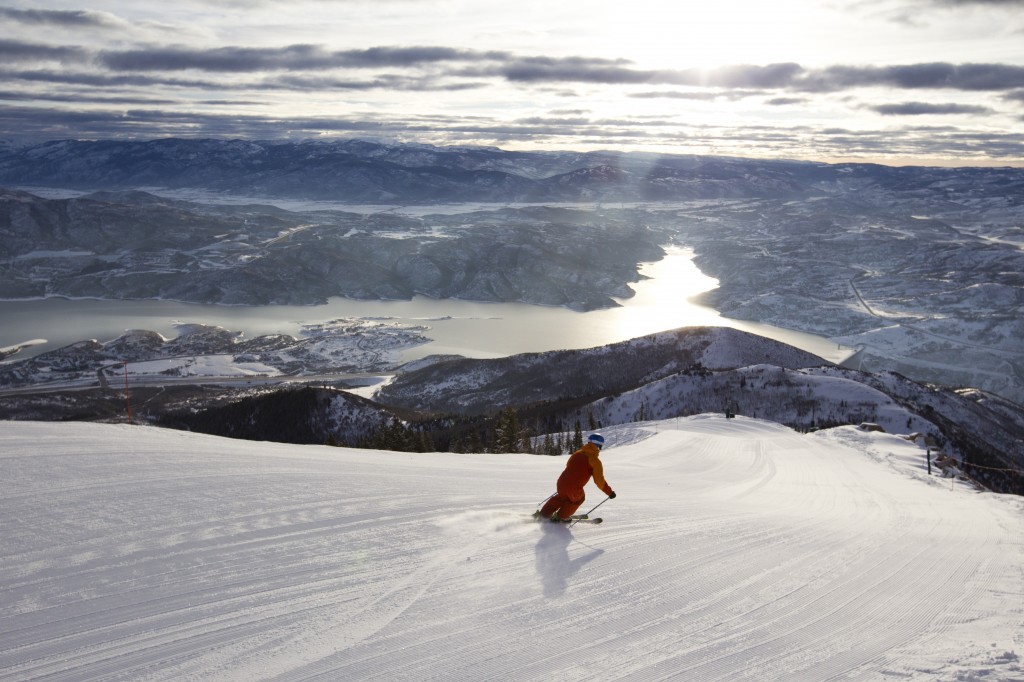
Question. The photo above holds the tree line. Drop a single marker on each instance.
(506, 431)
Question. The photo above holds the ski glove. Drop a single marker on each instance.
(611, 495)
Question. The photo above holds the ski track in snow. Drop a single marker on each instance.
(736, 550)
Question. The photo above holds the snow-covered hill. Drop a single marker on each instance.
(735, 550)
(125, 245)
(476, 386)
(695, 370)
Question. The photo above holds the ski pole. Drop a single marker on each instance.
(592, 510)
(541, 503)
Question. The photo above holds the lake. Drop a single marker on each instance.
(468, 328)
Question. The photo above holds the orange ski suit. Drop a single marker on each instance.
(582, 464)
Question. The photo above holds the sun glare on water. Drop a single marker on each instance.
(663, 301)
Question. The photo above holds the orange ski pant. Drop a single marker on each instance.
(565, 502)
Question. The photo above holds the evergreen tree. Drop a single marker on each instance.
(577, 437)
(507, 436)
(475, 444)
(549, 447)
(397, 437)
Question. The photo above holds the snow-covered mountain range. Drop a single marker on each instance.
(921, 267)
(363, 171)
(736, 549)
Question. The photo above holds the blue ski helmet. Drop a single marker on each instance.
(597, 439)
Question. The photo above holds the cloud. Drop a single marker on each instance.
(154, 90)
(253, 4)
(619, 72)
(769, 77)
(782, 76)
(18, 51)
(230, 59)
(937, 75)
(481, 64)
(76, 97)
(918, 13)
(553, 120)
(288, 58)
(785, 101)
(927, 108)
(106, 80)
(63, 18)
(570, 70)
(675, 94)
(412, 56)
(968, 3)
(387, 82)
(298, 82)
(696, 95)
(455, 64)
(777, 141)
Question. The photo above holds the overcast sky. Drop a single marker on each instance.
(930, 82)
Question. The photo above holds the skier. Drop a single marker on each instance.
(582, 464)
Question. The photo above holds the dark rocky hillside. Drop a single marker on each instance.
(307, 416)
(133, 245)
(470, 387)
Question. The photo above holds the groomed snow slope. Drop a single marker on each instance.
(736, 550)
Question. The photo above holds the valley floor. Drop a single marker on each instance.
(735, 550)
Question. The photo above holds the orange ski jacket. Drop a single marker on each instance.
(582, 464)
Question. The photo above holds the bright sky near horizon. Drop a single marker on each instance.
(926, 82)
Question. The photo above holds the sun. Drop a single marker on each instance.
(689, 35)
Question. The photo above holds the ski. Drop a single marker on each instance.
(578, 518)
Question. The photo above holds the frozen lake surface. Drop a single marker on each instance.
(468, 328)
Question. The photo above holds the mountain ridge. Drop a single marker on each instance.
(124, 244)
(362, 171)
(474, 386)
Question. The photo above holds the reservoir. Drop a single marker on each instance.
(473, 329)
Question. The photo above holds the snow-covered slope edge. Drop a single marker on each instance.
(711, 369)
(981, 432)
(736, 550)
